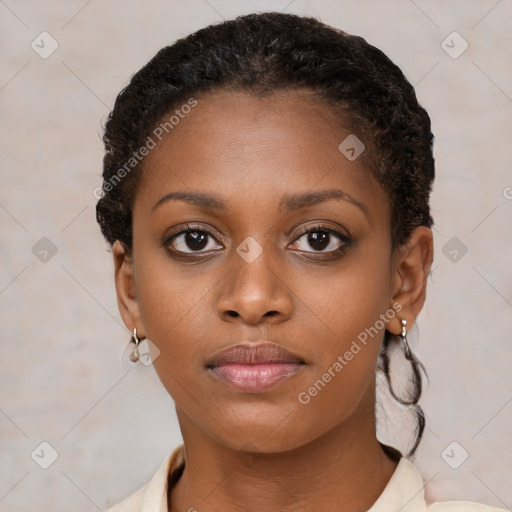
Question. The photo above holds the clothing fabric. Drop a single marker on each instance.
(403, 493)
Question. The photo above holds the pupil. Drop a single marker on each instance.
(320, 238)
(195, 240)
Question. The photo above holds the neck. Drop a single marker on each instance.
(345, 469)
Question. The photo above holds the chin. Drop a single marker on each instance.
(268, 433)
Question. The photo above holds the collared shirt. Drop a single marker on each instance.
(403, 493)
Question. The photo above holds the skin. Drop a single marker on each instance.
(267, 451)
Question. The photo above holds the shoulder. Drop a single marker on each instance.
(406, 488)
(462, 506)
(132, 503)
(152, 496)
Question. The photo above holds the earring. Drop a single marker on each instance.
(403, 335)
(134, 356)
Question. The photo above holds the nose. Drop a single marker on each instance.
(255, 293)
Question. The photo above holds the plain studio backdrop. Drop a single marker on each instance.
(80, 426)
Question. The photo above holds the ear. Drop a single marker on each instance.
(125, 288)
(411, 267)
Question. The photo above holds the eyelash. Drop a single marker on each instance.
(345, 240)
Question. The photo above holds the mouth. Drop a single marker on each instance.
(254, 368)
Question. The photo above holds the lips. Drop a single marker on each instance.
(254, 368)
(260, 353)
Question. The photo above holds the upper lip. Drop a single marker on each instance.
(254, 353)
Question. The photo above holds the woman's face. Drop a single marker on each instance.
(246, 272)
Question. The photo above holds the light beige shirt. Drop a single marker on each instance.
(403, 493)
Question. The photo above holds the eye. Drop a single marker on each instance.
(322, 239)
(191, 240)
(198, 240)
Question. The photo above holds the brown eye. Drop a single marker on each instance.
(321, 239)
(192, 241)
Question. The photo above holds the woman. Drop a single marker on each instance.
(266, 195)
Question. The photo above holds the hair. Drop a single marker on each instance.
(262, 54)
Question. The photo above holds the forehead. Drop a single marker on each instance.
(254, 146)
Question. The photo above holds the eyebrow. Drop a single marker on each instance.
(296, 201)
(206, 201)
(290, 202)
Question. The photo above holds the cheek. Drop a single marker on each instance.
(173, 314)
(347, 327)
(174, 310)
(340, 305)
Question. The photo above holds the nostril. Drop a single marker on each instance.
(271, 313)
(232, 313)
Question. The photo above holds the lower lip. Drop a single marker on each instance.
(254, 378)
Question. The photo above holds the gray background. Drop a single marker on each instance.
(65, 378)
